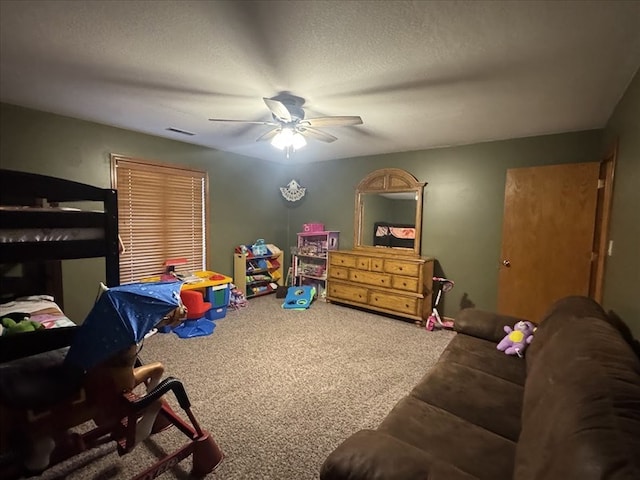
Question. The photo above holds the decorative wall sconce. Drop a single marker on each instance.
(293, 191)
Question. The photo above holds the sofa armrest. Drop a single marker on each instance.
(482, 324)
(373, 455)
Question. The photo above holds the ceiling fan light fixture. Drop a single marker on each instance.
(298, 141)
(288, 138)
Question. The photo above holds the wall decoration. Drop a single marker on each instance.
(293, 191)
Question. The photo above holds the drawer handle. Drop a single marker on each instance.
(400, 268)
(404, 284)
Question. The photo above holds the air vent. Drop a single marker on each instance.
(183, 132)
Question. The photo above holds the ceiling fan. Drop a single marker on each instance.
(290, 127)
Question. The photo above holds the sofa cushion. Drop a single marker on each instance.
(483, 355)
(581, 406)
(475, 396)
(452, 439)
(374, 455)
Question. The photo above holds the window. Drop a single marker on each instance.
(161, 215)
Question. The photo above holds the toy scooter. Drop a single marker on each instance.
(434, 320)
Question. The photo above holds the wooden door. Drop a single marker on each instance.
(547, 236)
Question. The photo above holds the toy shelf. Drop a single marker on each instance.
(255, 276)
(310, 259)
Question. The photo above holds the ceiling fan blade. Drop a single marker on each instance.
(268, 135)
(278, 109)
(318, 135)
(338, 121)
(242, 121)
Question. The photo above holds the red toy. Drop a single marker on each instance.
(196, 306)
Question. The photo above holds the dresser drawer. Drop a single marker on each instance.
(348, 292)
(370, 278)
(338, 272)
(377, 265)
(408, 284)
(396, 303)
(401, 268)
(363, 263)
(342, 260)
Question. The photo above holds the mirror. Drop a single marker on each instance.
(388, 213)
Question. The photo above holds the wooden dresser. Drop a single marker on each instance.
(391, 284)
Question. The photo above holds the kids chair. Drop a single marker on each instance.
(196, 324)
(196, 306)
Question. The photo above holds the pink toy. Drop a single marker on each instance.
(435, 321)
(517, 338)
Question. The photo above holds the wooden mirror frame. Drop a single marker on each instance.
(389, 180)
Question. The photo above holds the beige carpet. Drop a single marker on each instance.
(278, 389)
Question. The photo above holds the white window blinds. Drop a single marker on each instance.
(161, 215)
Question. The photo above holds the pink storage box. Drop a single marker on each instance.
(313, 227)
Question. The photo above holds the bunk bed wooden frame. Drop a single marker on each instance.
(24, 190)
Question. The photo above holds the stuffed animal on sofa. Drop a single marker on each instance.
(517, 338)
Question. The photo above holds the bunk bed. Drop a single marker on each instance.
(44, 220)
(36, 225)
(38, 229)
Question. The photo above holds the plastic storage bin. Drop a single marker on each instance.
(218, 296)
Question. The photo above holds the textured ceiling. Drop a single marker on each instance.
(421, 74)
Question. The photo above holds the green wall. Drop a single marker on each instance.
(622, 277)
(244, 202)
(463, 202)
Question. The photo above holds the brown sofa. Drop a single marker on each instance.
(569, 410)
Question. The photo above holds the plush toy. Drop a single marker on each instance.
(10, 326)
(517, 338)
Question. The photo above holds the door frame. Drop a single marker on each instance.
(603, 216)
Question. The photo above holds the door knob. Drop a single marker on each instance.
(506, 263)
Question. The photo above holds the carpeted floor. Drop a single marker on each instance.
(278, 389)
